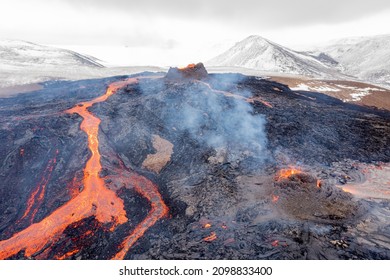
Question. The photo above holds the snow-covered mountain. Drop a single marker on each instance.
(22, 54)
(258, 53)
(23, 63)
(367, 58)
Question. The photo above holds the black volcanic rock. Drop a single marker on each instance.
(192, 71)
(215, 183)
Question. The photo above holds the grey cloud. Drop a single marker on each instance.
(277, 13)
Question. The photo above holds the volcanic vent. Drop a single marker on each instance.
(191, 166)
(191, 71)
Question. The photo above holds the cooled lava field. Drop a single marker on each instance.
(191, 165)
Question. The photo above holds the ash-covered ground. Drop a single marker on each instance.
(248, 169)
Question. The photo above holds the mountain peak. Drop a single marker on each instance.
(256, 40)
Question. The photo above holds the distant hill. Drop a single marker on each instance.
(367, 58)
(258, 53)
(22, 54)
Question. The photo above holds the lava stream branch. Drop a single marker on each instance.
(158, 210)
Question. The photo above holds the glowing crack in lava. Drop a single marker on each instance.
(38, 194)
(95, 199)
(236, 96)
(211, 237)
(68, 254)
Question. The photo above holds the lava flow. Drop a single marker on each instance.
(95, 199)
(158, 210)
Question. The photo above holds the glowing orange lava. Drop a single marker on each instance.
(319, 183)
(158, 210)
(253, 99)
(37, 195)
(189, 66)
(74, 187)
(349, 189)
(207, 226)
(68, 254)
(374, 184)
(95, 199)
(286, 173)
(211, 237)
(275, 198)
(266, 103)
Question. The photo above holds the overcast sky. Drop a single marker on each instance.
(172, 31)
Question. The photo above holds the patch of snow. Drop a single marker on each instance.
(347, 87)
(364, 89)
(323, 88)
(301, 87)
(374, 89)
(305, 87)
(357, 96)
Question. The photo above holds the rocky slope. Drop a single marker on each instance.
(248, 168)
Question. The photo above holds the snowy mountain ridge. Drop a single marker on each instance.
(367, 58)
(363, 58)
(259, 53)
(23, 63)
(21, 53)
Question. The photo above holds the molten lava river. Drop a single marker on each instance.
(95, 199)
